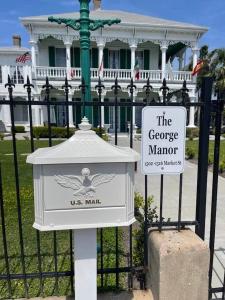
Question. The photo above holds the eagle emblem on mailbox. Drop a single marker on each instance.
(84, 185)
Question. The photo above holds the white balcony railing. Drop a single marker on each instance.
(111, 74)
(51, 72)
(18, 74)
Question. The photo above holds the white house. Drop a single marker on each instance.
(55, 53)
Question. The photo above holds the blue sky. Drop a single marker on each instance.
(210, 13)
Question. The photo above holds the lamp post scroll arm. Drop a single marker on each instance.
(96, 24)
(72, 23)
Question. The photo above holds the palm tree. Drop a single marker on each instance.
(217, 68)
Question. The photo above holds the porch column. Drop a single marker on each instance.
(134, 112)
(36, 113)
(68, 59)
(133, 47)
(6, 117)
(195, 52)
(100, 45)
(71, 122)
(33, 44)
(164, 48)
(191, 123)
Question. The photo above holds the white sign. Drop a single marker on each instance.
(163, 140)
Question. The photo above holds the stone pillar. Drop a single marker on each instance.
(33, 44)
(133, 48)
(71, 122)
(68, 59)
(178, 265)
(164, 48)
(100, 45)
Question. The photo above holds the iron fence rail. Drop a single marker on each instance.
(206, 107)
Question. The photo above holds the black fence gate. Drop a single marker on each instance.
(41, 264)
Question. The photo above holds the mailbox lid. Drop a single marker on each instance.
(85, 146)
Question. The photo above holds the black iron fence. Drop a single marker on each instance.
(34, 263)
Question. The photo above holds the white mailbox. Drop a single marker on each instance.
(83, 182)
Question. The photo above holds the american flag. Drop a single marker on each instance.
(23, 58)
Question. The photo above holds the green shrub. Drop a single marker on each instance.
(56, 132)
(190, 153)
(210, 160)
(19, 129)
(27, 138)
(222, 166)
(2, 136)
(99, 130)
(102, 133)
(138, 131)
(192, 132)
(139, 204)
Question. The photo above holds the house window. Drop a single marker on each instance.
(139, 56)
(16, 74)
(20, 112)
(57, 57)
(60, 57)
(114, 59)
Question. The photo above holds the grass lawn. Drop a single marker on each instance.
(194, 145)
(51, 286)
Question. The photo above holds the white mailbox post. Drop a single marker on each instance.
(83, 183)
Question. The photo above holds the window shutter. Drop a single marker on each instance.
(106, 58)
(146, 59)
(72, 57)
(51, 54)
(122, 59)
(94, 57)
(128, 59)
(76, 57)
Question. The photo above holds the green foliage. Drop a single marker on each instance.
(139, 204)
(19, 129)
(210, 160)
(2, 136)
(138, 131)
(56, 132)
(190, 153)
(102, 133)
(222, 166)
(192, 133)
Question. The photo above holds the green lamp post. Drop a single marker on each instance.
(85, 25)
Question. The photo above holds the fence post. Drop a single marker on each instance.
(206, 93)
